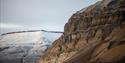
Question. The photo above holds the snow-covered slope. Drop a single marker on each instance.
(25, 47)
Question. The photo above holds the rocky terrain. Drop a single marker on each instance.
(95, 34)
(25, 46)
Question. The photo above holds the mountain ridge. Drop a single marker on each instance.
(32, 31)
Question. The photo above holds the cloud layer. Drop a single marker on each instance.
(38, 14)
(10, 25)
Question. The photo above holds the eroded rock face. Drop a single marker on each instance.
(95, 35)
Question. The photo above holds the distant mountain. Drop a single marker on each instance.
(25, 46)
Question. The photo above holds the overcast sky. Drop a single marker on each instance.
(16, 15)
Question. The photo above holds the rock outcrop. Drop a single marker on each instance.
(95, 34)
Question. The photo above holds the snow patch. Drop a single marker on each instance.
(25, 47)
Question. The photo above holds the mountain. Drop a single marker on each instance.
(25, 46)
(95, 34)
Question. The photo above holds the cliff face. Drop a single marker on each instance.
(92, 35)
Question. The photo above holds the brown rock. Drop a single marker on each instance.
(93, 35)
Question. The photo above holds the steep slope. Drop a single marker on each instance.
(25, 46)
(95, 34)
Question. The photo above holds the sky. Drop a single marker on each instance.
(19, 15)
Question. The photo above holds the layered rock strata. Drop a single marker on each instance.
(95, 34)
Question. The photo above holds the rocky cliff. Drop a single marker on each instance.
(95, 34)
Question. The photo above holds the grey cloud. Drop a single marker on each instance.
(45, 14)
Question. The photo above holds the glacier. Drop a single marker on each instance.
(25, 47)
